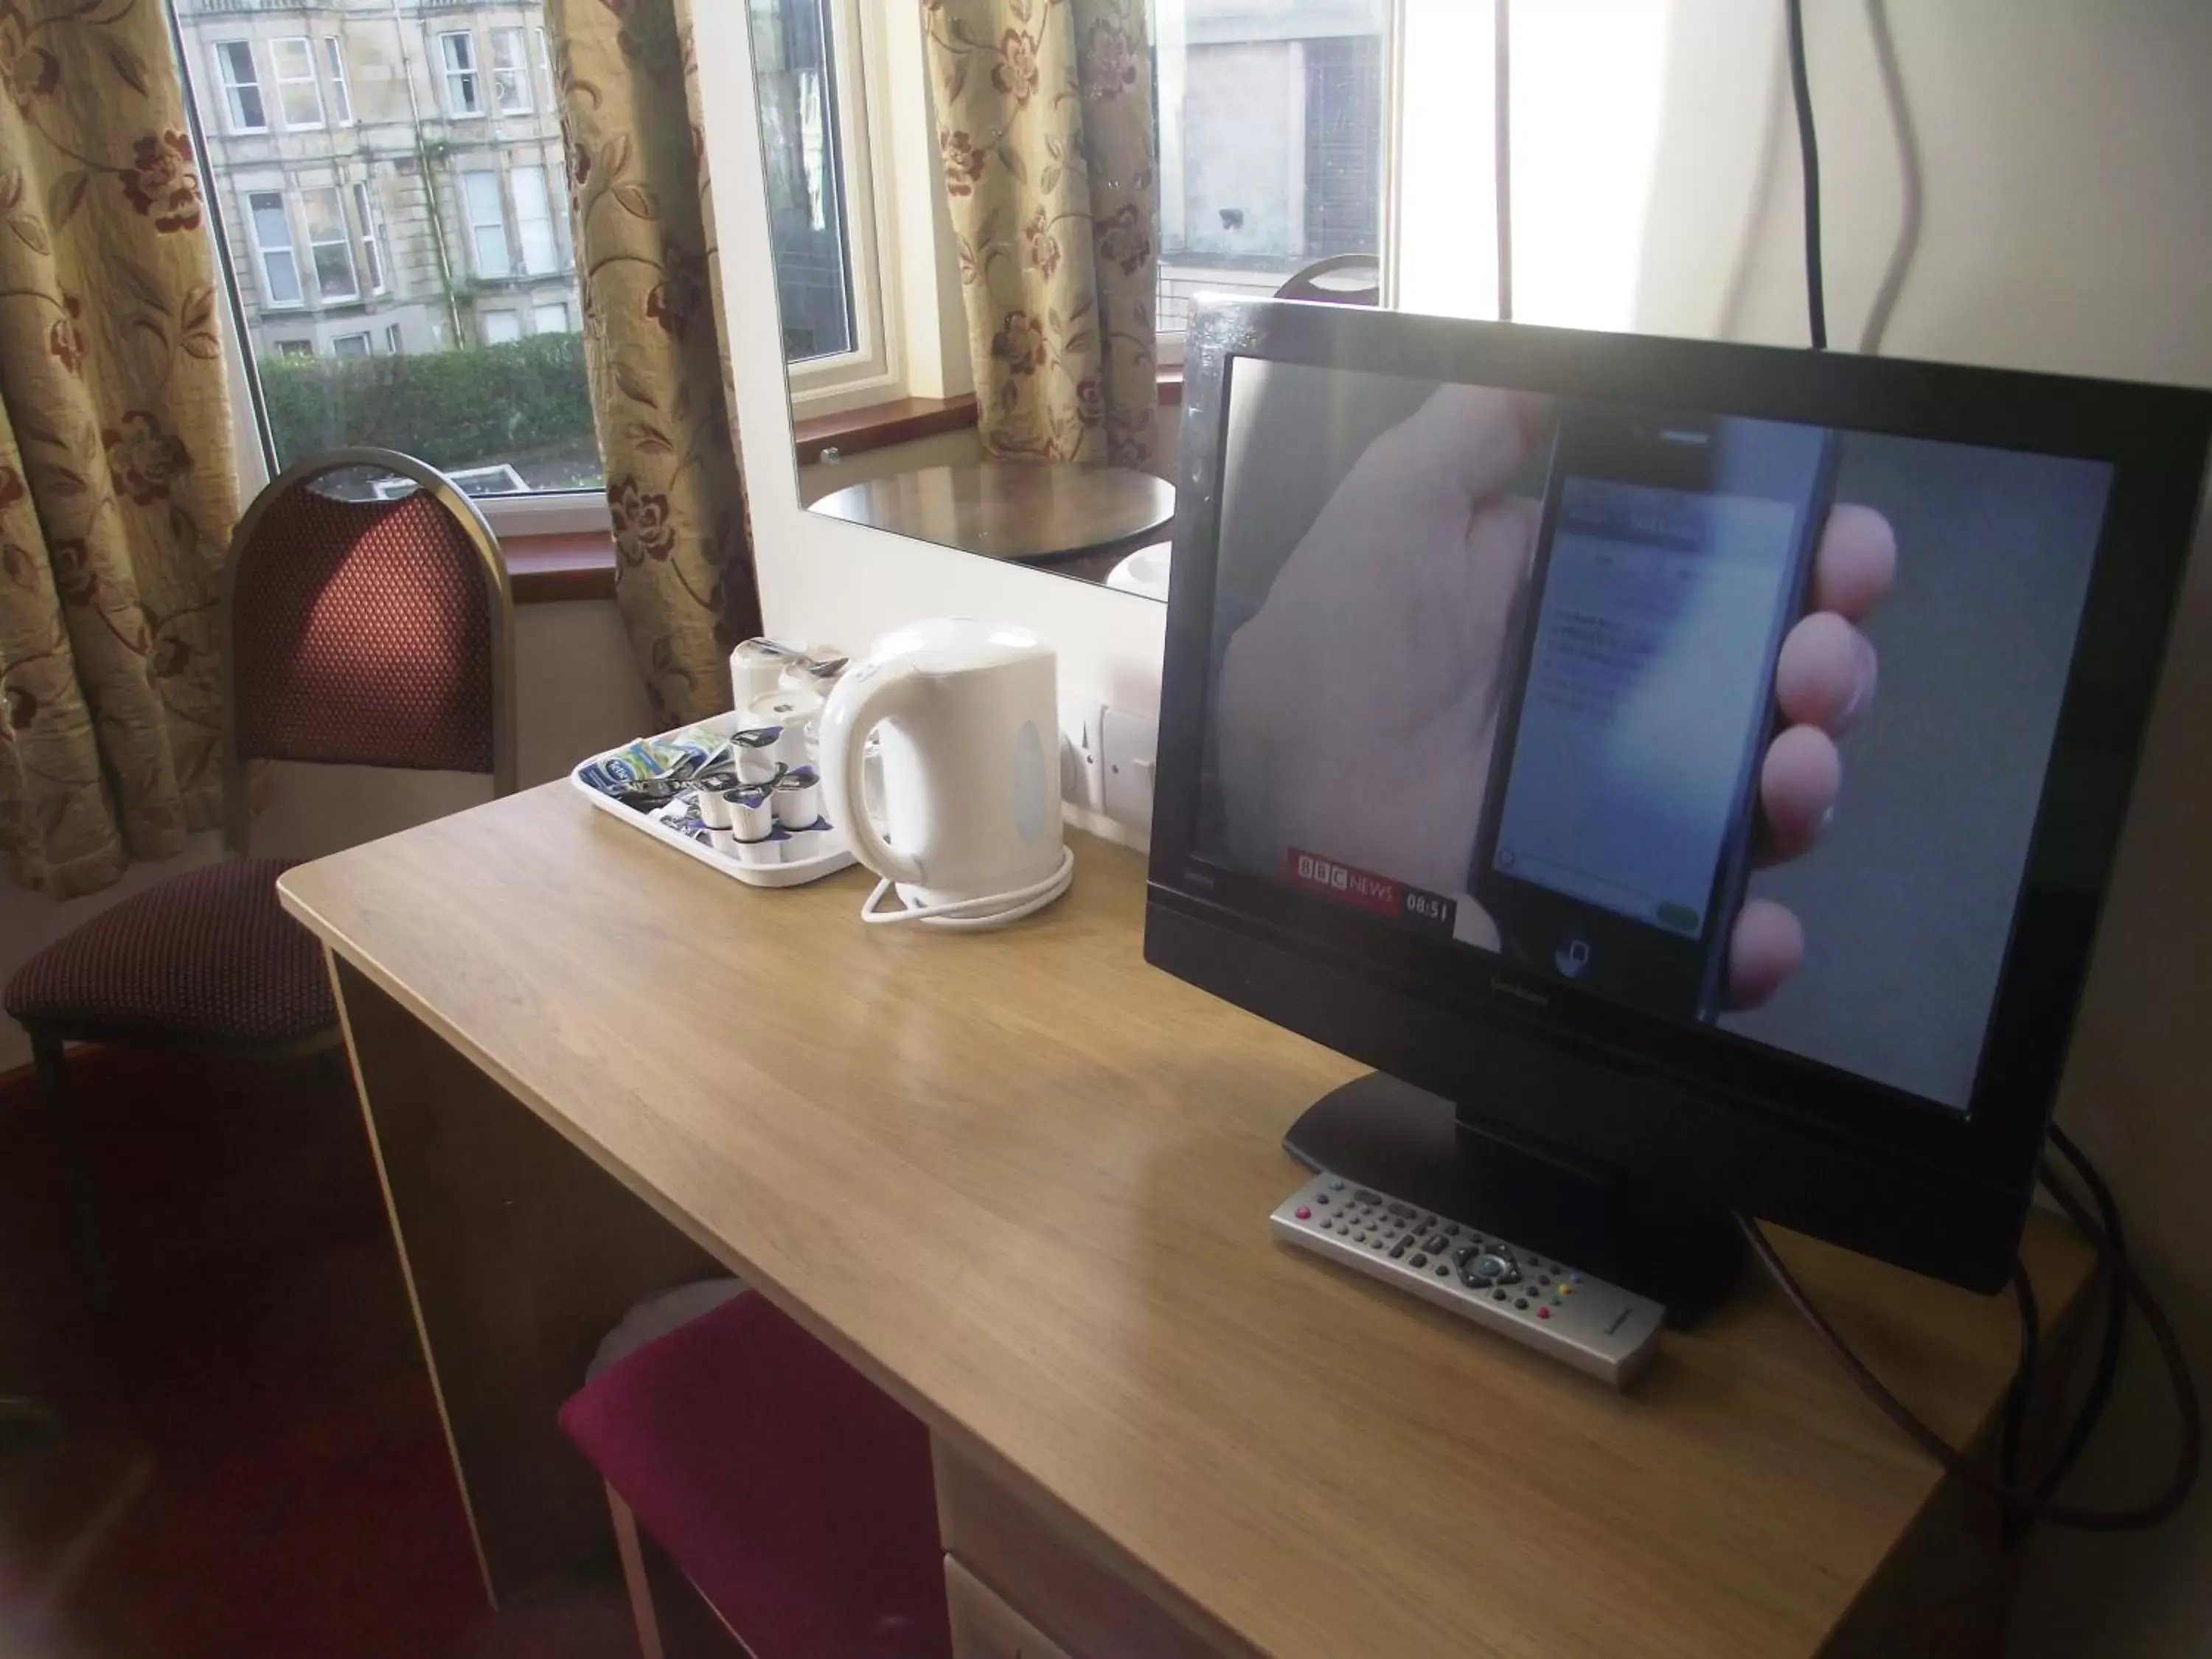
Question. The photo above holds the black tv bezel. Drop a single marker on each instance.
(1531, 1058)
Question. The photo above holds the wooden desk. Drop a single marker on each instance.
(1036, 513)
(1021, 1180)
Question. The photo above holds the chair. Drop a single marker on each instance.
(1342, 279)
(795, 1495)
(376, 633)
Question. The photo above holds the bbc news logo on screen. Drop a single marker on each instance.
(1363, 890)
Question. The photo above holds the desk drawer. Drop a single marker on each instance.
(1047, 1566)
(984, 1627)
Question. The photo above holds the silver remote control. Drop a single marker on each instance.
(1594, 1327)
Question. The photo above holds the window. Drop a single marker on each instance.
(533, 221)
(510, 73)
(329, 245)
(486, 224)
(242, 86)
(292, 63)
(792, 42)
(399, 250)
(272, 242)
(464, 91)
(341, 94)
(1271, 148)
(372, 234)
(545, 67)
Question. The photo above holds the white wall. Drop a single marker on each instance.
(576, 693)
(2068, 227)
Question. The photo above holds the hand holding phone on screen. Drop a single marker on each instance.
(1416, 567)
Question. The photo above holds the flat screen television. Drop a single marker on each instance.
(1688, 773)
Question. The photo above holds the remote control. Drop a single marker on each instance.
(1592, 1326)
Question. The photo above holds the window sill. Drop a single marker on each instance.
(555, 570)
(903, 420)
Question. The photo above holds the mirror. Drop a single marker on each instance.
(983, 331)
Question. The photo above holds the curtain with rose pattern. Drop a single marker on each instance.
(653, 337)
(118, 483)
(1044, 128)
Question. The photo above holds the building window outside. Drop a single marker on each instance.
(486, 224)
(372, 234)
(242, 86)
(533, 221)
(464, 91)
(329, 245)
(797, 86)
(272, 243)
(545, 66)
(341, 94)
(299, 95)
(510, 73)
(324, 217)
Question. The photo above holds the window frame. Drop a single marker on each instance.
(484, 335)
(368, 345)
(539, 307)
(519, 72)
(263, 252)
(477, 227)
(453, 77)
(234, 120)
(342, 241)
(395, 345)
(875, 370)
(283, 83)
(368, 216)
(334, 70)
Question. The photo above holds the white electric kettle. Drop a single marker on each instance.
(968, 718)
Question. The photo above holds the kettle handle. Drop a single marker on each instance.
(863, 700)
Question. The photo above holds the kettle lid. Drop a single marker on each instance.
(953, 645)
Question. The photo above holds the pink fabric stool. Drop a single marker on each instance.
(795, 1495)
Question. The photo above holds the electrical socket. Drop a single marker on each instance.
(1082, 751)
(1131, 753)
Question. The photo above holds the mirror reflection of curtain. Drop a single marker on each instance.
(1045, 132)
(652, 332)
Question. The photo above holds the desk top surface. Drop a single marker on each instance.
(1023, 1180)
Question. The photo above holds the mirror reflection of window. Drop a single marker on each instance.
(794, 64)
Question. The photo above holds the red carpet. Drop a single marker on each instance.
(255, 1466)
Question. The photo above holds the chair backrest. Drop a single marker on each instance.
(1342, 279)
(369, 632)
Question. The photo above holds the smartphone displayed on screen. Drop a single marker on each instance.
(1674, 553)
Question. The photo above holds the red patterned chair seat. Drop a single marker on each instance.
(209, 954)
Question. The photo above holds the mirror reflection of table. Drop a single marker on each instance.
(1062, 517)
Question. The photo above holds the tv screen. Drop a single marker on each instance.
(1738, 722)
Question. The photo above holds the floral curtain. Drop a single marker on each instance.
(1044, 126)
(117, 484)
(653, 336)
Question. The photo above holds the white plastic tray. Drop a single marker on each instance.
(808, 855)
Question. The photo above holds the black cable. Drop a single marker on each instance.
(1808, 156)
(2029, 1503)
(2115, 1319)
(2019, 1396)
(1501, 75)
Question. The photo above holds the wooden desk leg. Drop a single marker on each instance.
(520, 1255)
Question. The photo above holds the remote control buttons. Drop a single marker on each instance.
(1305, 1214)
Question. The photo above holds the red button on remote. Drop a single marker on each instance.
(1543, 1313)
(1305, 1214)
